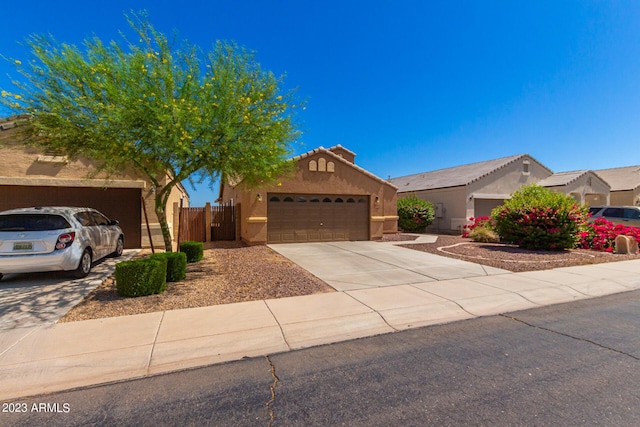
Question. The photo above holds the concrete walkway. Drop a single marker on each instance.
(48, 358)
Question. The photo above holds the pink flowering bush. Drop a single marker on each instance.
(601, 235)
(538, 218)
(481, 230)
(415, 214)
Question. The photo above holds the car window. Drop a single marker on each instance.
(613, 212)
(32, 222)
(99, 218)
(85, 219)
(593, 211)
(631, 214)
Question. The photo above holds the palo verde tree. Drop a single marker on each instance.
(173, 113)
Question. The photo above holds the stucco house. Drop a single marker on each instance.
(30, 177)
(327, 198)
(585, 186)
(625, 185)
(473, 190)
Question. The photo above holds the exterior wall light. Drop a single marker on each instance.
(259, 197)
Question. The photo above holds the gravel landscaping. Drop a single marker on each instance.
(231, 272)
(512, 258)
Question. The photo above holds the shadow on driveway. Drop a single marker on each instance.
(42, 298)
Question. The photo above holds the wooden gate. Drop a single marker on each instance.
(223, 222)
(192, 225)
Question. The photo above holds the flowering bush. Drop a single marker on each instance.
(481, 230)
(601, 235)
(538, 218)
(478, 222)
(415, 214)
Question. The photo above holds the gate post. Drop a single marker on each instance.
(207, 222)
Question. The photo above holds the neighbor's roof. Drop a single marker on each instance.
(624, 178)
(455, 176)
(566, 178)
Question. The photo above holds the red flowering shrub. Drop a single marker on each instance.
(601, 235)
(479, 222)
(538, 218)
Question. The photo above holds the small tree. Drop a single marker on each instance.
(538, 218)
(169, 113)
(415, 214)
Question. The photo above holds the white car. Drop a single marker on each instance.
(56, 239)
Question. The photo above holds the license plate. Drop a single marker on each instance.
(22, 246)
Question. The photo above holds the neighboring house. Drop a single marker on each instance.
(473, 190)
(327, 198)
(30, 177)
(585, 186)
(625, 185)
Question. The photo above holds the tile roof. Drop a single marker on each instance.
(454, 176)
(624, 178)
(566, 178)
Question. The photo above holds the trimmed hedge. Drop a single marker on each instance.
(176, 264)
(414, 214)
(194, 250)
(141, 277)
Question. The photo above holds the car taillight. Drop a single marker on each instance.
(65, 240)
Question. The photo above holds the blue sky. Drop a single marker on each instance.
(412, 86)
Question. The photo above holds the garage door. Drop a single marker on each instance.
(122, 204)
(316, 218)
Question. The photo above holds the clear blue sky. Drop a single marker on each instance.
(412, 86)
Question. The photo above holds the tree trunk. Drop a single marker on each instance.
(162, 219)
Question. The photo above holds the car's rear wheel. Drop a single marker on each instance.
(119, 248)
(84, 267)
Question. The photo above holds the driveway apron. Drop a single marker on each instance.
(350, 266)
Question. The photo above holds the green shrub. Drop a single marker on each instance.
(538, 218)
(141, 277)
(415, 214)
(176, 265)
(194, 250)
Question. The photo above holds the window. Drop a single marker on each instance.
(315, 200)
(350, 200)
(326, 200)
(32, 222)
(631, 214)
(614, 212)
(274, 199)
(339, 200)
(525, 167)
(99, 218)
(302, 199)
(84, 219)
(288, 199)
(362, 201)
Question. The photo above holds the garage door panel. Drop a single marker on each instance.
(297, 217)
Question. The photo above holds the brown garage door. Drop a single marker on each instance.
(316, 218)
(122, 204)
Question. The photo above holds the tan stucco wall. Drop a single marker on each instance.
(28, 166)
(454, 205)
(345, 180)
(596, 193)
(625, 197)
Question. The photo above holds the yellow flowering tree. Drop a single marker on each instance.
(176, 112)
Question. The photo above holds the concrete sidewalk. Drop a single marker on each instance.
(48, 358)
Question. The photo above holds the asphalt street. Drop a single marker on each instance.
(574, 364)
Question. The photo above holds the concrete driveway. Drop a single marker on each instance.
(350, 266)
(43, 298)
